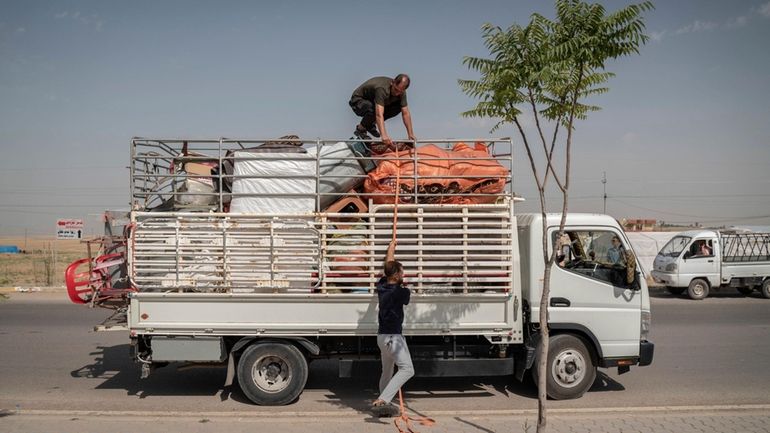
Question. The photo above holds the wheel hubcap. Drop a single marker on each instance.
(569, 368)
(698, 289)
(271, 374)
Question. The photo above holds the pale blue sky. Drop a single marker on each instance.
(684, 134)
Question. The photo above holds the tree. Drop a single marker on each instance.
(549, 69)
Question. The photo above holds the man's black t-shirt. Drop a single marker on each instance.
(377, 90)
(392, 298)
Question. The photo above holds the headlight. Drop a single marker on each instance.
(645, 324)
(671, 267)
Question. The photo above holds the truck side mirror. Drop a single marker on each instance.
(686, 255)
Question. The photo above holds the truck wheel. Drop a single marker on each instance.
(699, 289)
(272, 374)
(746, 290)
(570, 368)
(676, 291)
(766, 288)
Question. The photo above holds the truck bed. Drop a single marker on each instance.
(489, 314)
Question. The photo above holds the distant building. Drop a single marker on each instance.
(639, 225)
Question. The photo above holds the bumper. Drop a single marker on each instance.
(646, 351)
(663, 278)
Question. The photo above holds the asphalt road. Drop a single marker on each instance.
(708, 353)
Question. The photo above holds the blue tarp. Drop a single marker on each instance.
(11, 249)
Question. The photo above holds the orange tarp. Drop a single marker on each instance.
(443, 176)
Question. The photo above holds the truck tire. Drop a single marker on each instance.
(272, 374)
(766, 288)
(570, 368)
(699, 289)
(745, 290)
(676, 291)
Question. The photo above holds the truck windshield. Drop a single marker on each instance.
(675, 246)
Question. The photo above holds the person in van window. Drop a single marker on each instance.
(616, 254)
(703, 249)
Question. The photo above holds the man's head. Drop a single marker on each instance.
(399, 84)
(615, 241)
(394, 272)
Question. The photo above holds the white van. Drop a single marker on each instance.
(703, 260)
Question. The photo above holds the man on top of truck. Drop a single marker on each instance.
(393, 295)
(377, 100)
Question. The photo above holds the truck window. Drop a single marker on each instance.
(675, 246)
(598, 254)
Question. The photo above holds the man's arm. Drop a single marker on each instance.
(391, 254)
(379, 118)
(406, 116)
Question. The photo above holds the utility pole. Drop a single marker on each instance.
(604, 184)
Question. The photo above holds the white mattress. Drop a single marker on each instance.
(269, 193)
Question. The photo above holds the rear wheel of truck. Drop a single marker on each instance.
(746, 290)
(676, 291)
(272, 374)
(699, 289)
(570, 368)
(766, 288)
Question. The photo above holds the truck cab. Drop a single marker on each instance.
(597, 291)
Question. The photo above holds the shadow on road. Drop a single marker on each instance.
(726, 293)
(113, 366)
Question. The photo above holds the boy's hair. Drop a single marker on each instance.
(392, 268)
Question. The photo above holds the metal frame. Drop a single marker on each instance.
(445, 247)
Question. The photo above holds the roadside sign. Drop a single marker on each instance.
(69, 229)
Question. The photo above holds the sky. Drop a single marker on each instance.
(683, 135)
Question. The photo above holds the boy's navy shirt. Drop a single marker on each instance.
(392, 299)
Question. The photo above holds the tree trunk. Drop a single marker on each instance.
(542, 357)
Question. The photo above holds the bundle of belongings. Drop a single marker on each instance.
(464, 175)
(283, 177)
(282, 180)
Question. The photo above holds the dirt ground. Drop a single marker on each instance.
(42, 264)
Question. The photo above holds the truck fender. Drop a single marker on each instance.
(523, 359)
(246, 341)
(581, 331)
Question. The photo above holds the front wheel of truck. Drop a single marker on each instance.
(272, 374)
(570, 368)
(698, 289)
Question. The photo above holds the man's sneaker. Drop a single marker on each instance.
(361, 133)
(373, 130)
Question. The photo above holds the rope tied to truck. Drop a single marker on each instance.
(403, 416)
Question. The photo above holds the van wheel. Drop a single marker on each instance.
(699, 289)
(570, 368)
(766, 288)
(676, 291)
(745, 291)
(272, 374)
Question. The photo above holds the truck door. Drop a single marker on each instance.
(593, 288)
(700, 261)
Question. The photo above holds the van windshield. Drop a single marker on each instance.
(675, 246)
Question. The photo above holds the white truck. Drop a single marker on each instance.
(700, 261)
(268, 292)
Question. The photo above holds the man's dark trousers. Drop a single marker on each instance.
(365, 109)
